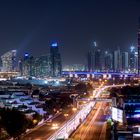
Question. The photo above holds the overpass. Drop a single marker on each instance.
(95, 100)
(70, 126)
(97, 74)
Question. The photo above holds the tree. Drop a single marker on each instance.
(81, 87)
(37, 117)
(89, 87)
(13, 121)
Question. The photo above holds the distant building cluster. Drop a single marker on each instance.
(115, 61)
(74, 67)
(48, 65)
(9, 61)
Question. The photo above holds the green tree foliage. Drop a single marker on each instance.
(13, 121)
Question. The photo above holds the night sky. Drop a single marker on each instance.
(30, 26)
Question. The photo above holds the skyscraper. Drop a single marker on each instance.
(55, 59)
(91, 57)
(28, 65)
(125, 63)
(42, 66)
(139, 48)
(132, 59)
(90, 61)
(20, 66)
(9, 61)
(108, 61)
(117, 61)
(98, 60)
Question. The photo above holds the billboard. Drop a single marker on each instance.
(117, 114)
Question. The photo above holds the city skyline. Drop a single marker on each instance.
(74, 27)
(70, 69)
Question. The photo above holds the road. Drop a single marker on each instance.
(46, 130)
(95, 125)
(94, 128)
(43, 132)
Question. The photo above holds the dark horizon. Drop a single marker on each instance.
(30, 26)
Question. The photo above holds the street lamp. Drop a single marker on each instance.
(74, 109)
(66, 115)
(54, 126)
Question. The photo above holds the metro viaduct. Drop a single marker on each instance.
(105, 75)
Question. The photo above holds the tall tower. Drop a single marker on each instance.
(91, 57)
(108, 61)
(139, 48)
(125, 63)
(132, 59)
(117, 61)
(9, 61)
(55, 59)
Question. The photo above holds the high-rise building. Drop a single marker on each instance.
(28, 65)
(26, 56)
(9, 61)
(98, 60)
(125, 62)
(74, 67)
(90, 64)
(42, 66)
(139, 48)
(132, 59)
(136, 57)
(91, 57)
(108, 61)
(117, 61)
(20, 66)
(55, 59)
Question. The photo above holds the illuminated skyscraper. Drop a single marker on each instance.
(132, 59)
(91, 57)
(55, 59)
(125, 63)
(20, 66)
(108, 61)
(117, 61)
(90, 61)
(29, 66)
(42, 66)
(139, 48)
(98, 60)
(9, 61)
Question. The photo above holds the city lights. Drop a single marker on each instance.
(70, 70)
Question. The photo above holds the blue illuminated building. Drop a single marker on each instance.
(26, 56)
(55, 60)
(54, 45)
(128, 99)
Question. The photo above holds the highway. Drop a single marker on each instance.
(43, 132)
(67, 129)
(95, 123)
(94, 128)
